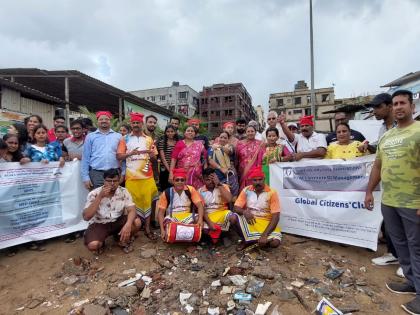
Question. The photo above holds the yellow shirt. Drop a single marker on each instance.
(349, 151)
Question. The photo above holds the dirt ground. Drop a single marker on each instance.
(34, 282)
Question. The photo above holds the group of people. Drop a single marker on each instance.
(137, 179)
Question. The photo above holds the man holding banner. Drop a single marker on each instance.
(397, 165)
(258, 207)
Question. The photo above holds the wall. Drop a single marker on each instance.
(13, 101)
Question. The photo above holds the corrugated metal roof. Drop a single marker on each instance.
(84, 90)
(404, 79)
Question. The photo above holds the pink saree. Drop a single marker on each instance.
(190, 158)
(249, 155)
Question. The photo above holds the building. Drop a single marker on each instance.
(411, 82)
(181, 99)
(260, 117)
(78, 89)
(297, 103)
(18, 101)
(220, 103)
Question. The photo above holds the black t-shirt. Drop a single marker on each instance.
(355, 135)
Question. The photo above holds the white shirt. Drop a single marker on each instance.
(315, 141)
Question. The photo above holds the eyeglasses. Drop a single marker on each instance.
(271, 118)
(179, 180)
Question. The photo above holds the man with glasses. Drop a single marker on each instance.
(99, 152)
(177, 203)
(258, 209)
(139, 151)
(110, 211)
(272, 121)
(74, 144)
(342, 117)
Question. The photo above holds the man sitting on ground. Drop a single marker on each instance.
(258, 207)
(216, 197)
(111, 211)
(177, 203)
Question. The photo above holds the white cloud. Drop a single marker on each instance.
(359, 44)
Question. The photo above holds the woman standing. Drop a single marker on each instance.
(190, 155)
(30, 123)
(13, 153)
(20, 131)
(249, 153)
(274, 152)
(125, 130)
(165, 147)
(221, 158)
(344, 147)
(42, 151)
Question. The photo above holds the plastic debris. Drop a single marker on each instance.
(298, 284)
(216, 283)
(334, 273)
(130, 281)
(325, 307)
(241, 296)
(255, 287)
(262, 308)
(238, 280)
(213, 311)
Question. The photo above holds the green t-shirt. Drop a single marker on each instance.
(399, 152)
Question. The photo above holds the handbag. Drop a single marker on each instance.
(178, 232)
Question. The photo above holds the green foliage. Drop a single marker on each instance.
(183, 125)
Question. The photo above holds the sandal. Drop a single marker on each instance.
(151, 235)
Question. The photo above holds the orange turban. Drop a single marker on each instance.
(192, 121)
(227, 124)
(136, 117)
(103, 113)
(306, 120)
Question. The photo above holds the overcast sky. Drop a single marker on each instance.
(359, 44)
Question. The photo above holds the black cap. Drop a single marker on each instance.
(383, 98)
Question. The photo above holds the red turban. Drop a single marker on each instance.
(256, 172)
(306, 120)
(179, 172)
(136, 117)
(103, 113)
(227, 124)
(192, 121)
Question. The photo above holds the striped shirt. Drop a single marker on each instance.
(167, 152)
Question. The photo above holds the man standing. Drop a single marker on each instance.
(151, 122)
(240, 129)
(99, 152)
(138, 151)
(105, 209)
(272, 119)
(74, 144)
(194, 122)
(174, 121)
(216, 197)
(397, 165)
(58, 121)
(309, 144)
(258, 207)
(342, 117)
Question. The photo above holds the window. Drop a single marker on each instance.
(325, 97)
(153, 98)
(217, 113)
(147, 97)
(297, 111)
(280, 102)
(228, 112)
(298, 100)
(183, 95)
(215, 125)
(163, 97)
(308, 99)
(307, 111)
(204, 114)
(289, 100)
(290, 112)
(170, 95)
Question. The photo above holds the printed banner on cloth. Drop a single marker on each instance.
(40, 201)
(324, 199)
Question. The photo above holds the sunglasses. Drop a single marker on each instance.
(179, 180)
(271, 118)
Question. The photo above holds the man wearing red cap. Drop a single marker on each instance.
(194, 122)
(258, 209)
(138, 151)
(99, 152)
(177, 202)
(309, 144)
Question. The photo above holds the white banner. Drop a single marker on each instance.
(40, 201)
(324, 199)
